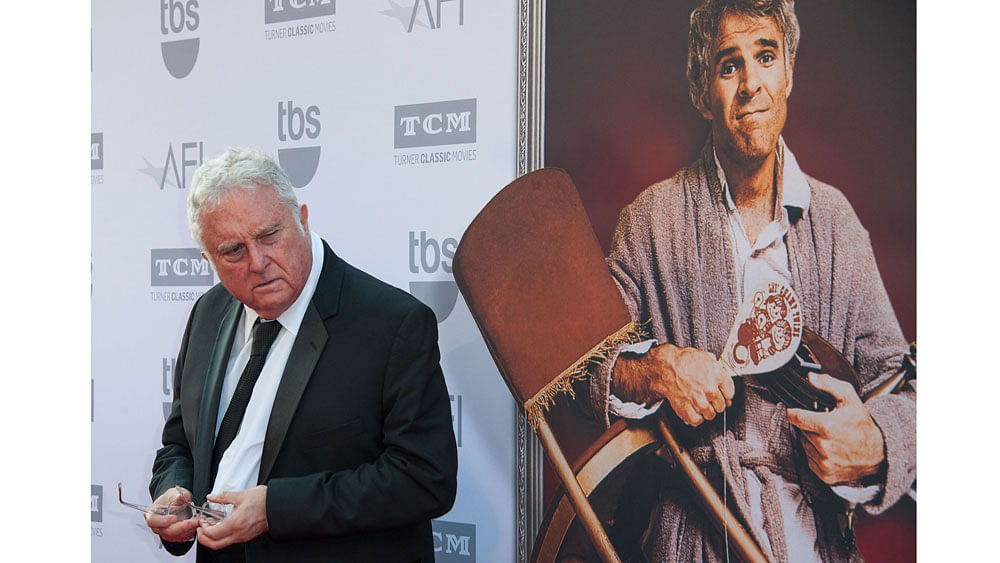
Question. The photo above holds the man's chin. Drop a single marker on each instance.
(271, 307)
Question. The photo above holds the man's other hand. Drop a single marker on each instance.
(169, 527)
(247, 520)
(842, 445)
(695, 383)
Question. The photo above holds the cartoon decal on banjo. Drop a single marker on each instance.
(767, 330)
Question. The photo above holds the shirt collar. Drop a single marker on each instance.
(794, 185)
(291, 319)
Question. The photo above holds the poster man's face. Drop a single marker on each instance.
(748, 89)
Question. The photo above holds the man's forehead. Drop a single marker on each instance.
(736, 29)
(245, 212)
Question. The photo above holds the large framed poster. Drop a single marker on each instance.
(602, 94)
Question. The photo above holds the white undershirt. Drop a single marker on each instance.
(240, 464)
(764, 261)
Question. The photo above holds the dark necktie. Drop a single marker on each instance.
(264, 334)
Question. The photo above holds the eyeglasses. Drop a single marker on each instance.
(182, 510)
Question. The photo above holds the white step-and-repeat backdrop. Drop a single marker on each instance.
(395, 119)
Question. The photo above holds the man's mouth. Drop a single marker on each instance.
(747, 113)
(267, 285)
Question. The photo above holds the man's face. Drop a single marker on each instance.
(257, 249)
(749, 83)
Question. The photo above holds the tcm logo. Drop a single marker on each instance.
(179, 267)
(178, 166)
(427, 255)
(96, 503)
(179, 17)
(295, 122)
(456, 417)
(96, 151)
(277, 11)
(454, 542)
(425, 17)
(436, 123)
(168, 365)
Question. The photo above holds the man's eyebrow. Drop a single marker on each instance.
(267, 229)
(723, 54)
(765, 42)
(226, 247)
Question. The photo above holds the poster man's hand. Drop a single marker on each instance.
(696, 384)
(842, 445)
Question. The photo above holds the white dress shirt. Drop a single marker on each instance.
(240, 464)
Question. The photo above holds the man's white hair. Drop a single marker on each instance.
(237, 168)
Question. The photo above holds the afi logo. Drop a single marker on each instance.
(409, 17)
(293, 123)
(178, 16)
(168, 377)
(456, 417)
(192, 155)
(96, 151)
(277, 11)
(440, 296)
(179, 267)
(96, 503)
(454, 541)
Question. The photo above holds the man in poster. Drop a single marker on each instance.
(687, 252)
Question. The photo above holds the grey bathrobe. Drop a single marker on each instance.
(672, 256)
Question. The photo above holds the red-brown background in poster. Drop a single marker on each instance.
(618, 118)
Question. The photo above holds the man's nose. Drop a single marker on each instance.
(258, 258)
(750, 82)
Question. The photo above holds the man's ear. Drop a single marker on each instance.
(703, 107)
(791, 73)
(304, 217)
(209, 258)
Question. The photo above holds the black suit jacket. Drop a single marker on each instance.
(359, 452)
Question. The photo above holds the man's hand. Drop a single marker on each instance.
(247, 521)
(697, 385)
(842, 445)
(169, 527)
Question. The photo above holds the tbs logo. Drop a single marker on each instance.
(179, 17)
(96, 503)
(179, 267)
(295, 122)
(277, 11)
(454, 542)
(427, 255)
(96, 151)
(435, 123)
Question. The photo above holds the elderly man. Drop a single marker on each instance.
(308, 396)
(688, 251)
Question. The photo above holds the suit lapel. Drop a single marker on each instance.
(308, 347)
(209, 411)
(302, 360)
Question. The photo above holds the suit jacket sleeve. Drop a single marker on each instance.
(412, 480)
(173, 464)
